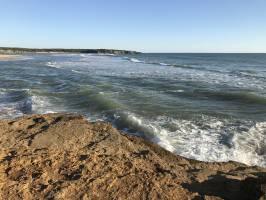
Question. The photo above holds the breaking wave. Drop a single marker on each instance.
(205, 138)
(16, 103)
(205, 107)
(135, 60)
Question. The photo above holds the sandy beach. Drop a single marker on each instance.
(7, 57)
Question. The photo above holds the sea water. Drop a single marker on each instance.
(209, 107)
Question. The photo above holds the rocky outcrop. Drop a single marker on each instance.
(10, 50)
(62, 156)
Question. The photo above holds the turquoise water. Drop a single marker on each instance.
(210, 107)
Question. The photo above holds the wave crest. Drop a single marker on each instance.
(206, 138)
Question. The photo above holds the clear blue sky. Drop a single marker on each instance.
(143, 25)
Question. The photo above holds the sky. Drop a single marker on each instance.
(141, 25)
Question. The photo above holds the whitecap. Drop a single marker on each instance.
(78, 72)
(164, 64)
(135, 60)
(53, 64)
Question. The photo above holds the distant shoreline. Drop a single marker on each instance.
(5, 57)
(15, 50)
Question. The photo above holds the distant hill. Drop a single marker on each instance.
(15, 50)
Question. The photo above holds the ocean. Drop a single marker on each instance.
(209, 107)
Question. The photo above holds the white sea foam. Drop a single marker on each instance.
(206, 139)
(53, 64)
(31, 104)
(164, 64)
(84, 55)
(78, 72)
(135, 60)
(210, 139)
(9, 111)
(178, 91)
(41, 105)
(250, 145)
(155, 133)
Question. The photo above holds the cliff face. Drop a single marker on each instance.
(62, 156)
(9, 50)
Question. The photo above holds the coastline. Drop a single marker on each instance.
(19, 50)
(5, 57)
(64, 156)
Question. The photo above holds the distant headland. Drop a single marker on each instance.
(17, 50)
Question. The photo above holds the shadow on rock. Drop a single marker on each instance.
(231, 187)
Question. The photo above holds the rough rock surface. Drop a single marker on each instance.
(62, 156)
